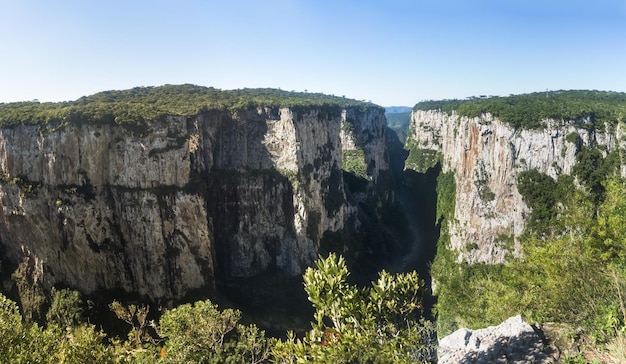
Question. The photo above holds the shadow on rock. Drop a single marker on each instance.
(513, 341)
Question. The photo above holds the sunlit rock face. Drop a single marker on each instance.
(486, 155)
(513, 341)
(166, 207)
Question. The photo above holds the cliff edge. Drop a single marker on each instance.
(102, 195)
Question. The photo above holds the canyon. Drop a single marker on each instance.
(182, 205)
(233, 195)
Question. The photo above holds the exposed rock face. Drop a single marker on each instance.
(513, 341)
(486, 155)
(165, 207)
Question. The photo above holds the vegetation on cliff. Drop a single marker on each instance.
(139, 104)
(527, 111)
(572, 268)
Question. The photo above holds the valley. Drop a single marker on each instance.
(164, 197)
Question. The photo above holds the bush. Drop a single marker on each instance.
(33, 344)
(66, 309)
(200, 333)
(377, 324)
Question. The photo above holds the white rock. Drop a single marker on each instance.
(513, 341)
(487, 154)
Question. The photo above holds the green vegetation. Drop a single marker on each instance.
(446, 198)
(541, 193)
(137, 105)
(66, 309)
(592, 169)
(574, 278)
(30, 343)
(353, 161)
(528, 110)
(200, 333)
(444, 268)
(420, 160)
(377, 324)
(572, 269)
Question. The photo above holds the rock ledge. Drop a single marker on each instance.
(513, 341)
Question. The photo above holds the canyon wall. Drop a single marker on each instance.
(486, 155)
(168, 206)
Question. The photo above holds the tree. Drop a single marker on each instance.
(377, 324)
(31, 343)
(200, 333)
(136, 317)
(66, 309)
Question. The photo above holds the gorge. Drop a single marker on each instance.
(171, 207)
(173, 194)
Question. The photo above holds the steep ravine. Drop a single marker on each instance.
(230, 204)
(485, 156)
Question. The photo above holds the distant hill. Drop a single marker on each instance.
(398, 118)
(397, 109)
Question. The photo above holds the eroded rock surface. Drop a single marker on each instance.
(513, 341)
(167, 206)
(486, 155)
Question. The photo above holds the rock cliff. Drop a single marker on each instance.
(486, 155)
(169, 205)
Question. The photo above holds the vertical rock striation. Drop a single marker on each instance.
(486, 155)
(167, 206)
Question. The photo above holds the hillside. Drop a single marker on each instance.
(530, 208)
(398, 118)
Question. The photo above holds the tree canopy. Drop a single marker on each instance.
(377, 324)
(527, 111)
(146, 103)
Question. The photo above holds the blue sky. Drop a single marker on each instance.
(392, 52)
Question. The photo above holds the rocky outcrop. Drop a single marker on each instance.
(486, 155)
(513, 341)
(165, 207)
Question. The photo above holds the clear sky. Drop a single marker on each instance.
(392, 52)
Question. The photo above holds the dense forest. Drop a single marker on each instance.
(528, 111)
(144, 103)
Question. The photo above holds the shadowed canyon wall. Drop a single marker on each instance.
(169, 206)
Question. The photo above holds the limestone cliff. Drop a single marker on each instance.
(486, 155)
(166, 206)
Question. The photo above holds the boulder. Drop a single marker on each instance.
(513, 341)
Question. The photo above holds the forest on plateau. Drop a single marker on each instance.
(139, 104)
(528, 111)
